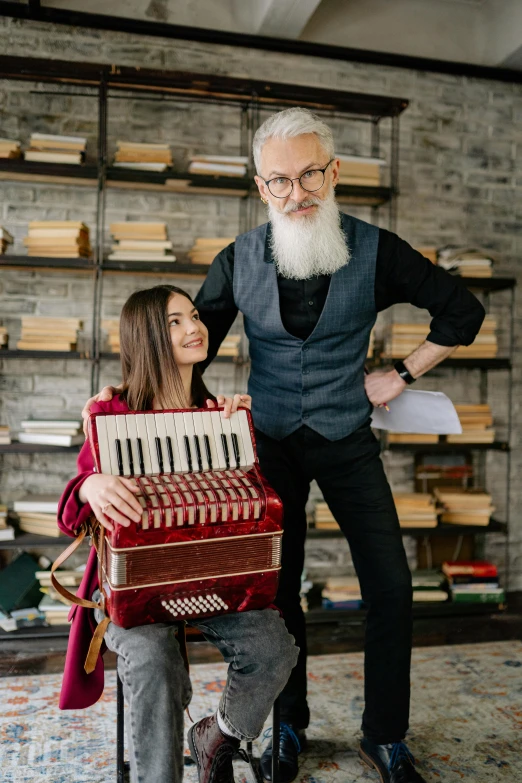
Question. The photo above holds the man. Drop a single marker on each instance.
(310, 283)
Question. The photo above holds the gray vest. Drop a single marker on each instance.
(319, 381)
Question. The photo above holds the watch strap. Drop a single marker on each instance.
(404, 373)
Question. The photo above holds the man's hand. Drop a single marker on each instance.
(231, 404)
(106, 394)
(382, 386)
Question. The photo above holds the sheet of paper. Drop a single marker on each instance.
(418, 411)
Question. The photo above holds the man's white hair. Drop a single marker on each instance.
(289, 123)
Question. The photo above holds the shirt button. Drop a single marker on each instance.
(305, 347)
(311, 302)
(306, 415)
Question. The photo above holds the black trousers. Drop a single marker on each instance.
(351, 477)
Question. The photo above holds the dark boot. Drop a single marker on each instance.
(212, 751)
(291, 743)
(393, 762)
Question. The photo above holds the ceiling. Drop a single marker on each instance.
(477, 32)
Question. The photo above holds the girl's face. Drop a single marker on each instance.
(188, 334)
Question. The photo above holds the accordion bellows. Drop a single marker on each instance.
(209, 540)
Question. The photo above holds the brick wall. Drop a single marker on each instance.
(460, 181)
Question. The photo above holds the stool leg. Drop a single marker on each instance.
(275, 742)
(120, 724)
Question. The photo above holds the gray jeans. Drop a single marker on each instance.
(260, 653)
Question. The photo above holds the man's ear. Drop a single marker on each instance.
(263, 190)
(335, 171)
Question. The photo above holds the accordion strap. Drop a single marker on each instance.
(59, 561)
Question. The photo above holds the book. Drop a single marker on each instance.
(7, 533)
(50, 439)
(47, 503)
(19, 587)
(469, 567)
(496, 596)
(51, 137)
(51, 424)
(40, 156)
(140, 166)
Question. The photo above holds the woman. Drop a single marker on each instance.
(161, 342)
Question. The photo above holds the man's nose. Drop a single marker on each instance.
(299, 193)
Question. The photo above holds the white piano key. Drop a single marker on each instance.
(121, 426)
(162, 435)
(235, 426)
(227, 431)
(180, 435)
(209, 431)
(141, 427)
(151, 436)
(199, 429)
(216, 426)
(247, 438)
(112, 434)
(190, 432)
(170, 428)
(103, 445)
(132, 433)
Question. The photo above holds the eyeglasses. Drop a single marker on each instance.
(312, 180)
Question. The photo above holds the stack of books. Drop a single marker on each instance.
(41, 333)
(6, 239)
(415, 509)
(55, 612)
(323, 517)
(342, 592)
(485, 345)
(219, 165)
(230, 346)
(37, 514)
(205, 249)
(6, 531)
(58, 239)
(4, 337)
(428, 252)
(112, 327)
(464, 506)
(357, 170)
(48, 148)
(10, 148)
(51, 433)
(473, 582)
(135, 241)
(428, 585)
(139, 155)
(5, 435)
(69, 579)
(466, 261)
(476, 423)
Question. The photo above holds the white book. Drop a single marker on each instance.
(53, 137)
(41, 423)
(144, 145)
(217, 168)
(7, 533)
(53, 157)
(45, 504)
(221, 158)
(142, 244)
(361, 159)
(50, 440)
(141, 166)
(129, 256)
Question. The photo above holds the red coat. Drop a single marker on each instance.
(78, 688)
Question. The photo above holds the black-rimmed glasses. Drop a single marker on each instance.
(312, 180)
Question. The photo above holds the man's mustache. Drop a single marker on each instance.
(293, 206)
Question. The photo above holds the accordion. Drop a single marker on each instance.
(209, 539)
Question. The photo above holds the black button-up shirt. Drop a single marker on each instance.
(402, 274)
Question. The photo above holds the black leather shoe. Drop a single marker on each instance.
(393, 762)
(291, 743)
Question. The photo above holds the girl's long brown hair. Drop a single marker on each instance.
(148, 366)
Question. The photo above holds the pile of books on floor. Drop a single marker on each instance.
(485, 345)
(51, 433)
(230, 346)
(205, 249)
(6, 531)
(219, 165)
(37, 514)
(464, 506)
(10, 148)
(342, 592)
(415, 509)
(6, 239)
(112, 328)
(476, 423)
(4, 337)
(5, 435)
(40, 333)
(48, 148)
(357, 170)
(58, 239)
(135, 241)
(406, 337)
(429, 585)
(19, 594)
(323, 517)
(466, 261)
(473, 582)
(140, 155)
(54, 607)
(429, 252)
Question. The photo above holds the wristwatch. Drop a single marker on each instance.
(404, 373)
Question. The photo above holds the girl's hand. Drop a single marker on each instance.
(111, 496)
(231, 404)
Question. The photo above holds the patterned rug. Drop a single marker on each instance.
(466, 721)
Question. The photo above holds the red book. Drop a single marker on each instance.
(471, 568)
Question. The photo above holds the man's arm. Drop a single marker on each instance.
(404, 275)
(215, 301)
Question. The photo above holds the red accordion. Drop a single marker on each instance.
(209, 540)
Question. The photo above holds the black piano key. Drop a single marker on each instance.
(140, 456)
(170, 453)
(159, 453)
(209, 453)
(119, 456)
(225, 449)
(198, 453)
(131, 458)
(235, 444)
(187, 452)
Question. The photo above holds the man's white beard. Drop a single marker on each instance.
(310, 245)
